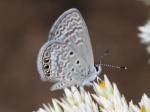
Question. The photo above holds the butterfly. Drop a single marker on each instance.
(67, 57)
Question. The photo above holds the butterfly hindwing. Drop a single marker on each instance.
(59, 62)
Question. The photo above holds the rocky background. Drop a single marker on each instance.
(112, 25)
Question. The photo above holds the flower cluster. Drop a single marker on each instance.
(144, 105)
(73, 101)
(145, 35)
(107, 98)
(147, 2)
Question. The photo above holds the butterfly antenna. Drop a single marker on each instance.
(102, 56)
(119, 67)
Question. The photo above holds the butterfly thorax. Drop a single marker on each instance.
(92, 74)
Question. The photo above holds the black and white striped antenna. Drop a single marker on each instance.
(119, 67)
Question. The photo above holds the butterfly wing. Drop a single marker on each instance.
(67, 55)
(57, 61)
(70, 28)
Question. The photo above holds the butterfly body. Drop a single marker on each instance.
(67, 57)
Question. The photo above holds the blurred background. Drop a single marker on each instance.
(112, 25)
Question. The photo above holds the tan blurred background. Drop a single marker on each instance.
(24, 28)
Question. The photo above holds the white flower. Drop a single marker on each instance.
(145, 33)
(76, 101)
(145, 1)
(148, 50)
(108, 97)
(49, 108)
(73, 101)
(144, 105)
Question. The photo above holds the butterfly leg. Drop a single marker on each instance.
(98, 79)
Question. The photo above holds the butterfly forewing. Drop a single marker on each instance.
(70, 28)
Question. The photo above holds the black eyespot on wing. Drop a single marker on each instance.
(46, 66)
(77, 62)
(46, 60)
(47, 73)
(71, 53)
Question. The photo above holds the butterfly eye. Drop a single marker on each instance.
(46, 66)
(97, 69)
(46, 60)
